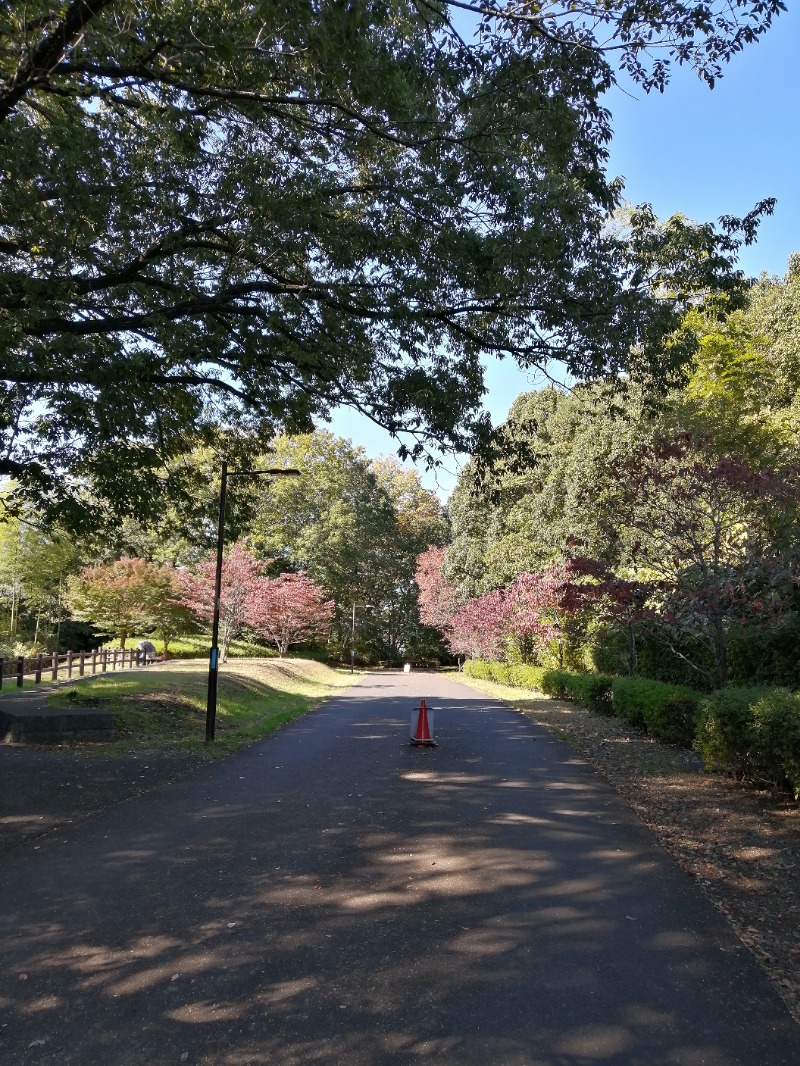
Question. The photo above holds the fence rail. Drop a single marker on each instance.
(69, 664)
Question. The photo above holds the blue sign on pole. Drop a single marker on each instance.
(213, 658)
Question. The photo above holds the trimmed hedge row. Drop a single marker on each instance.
(516, 675)
(669, 712)
(751, 733)
(666, 711)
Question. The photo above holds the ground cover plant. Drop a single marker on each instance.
(163, 708)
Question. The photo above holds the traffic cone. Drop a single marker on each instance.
(421, 737)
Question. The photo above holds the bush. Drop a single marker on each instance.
(752, 734)
(478, 668)
(517, 675)
(669, 712)
(725, 735)
(594, 691)
(555, 683)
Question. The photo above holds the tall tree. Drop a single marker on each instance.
(238, 212)
(355, 528)
(34, 567)
(552, 487)
(703, 532)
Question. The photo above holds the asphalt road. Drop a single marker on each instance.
(333, 895)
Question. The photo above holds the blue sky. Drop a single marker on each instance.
(703, 153)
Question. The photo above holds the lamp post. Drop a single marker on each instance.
(213, 660)
(367, 607)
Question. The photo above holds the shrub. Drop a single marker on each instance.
(777, 730)
(555, 683)
(725, 736)
(668, 712)
(752, 734)
(529, 677)
(593, 691)
(515, 674)
(478, 668)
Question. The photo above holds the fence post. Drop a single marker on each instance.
(54, 671)
(20, 670)
(37, 677)
(69, 664)
(94, 661)
(114, 659)
(105, 660)
(81, 663)
(2, 669)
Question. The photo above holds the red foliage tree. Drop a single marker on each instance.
(288, 610)
(128, 596)
(438, 599)
(478, 627)
(241, 575)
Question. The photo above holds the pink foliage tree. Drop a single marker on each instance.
(478, 627)
(438, 599)
(241, 576)
(288, 610)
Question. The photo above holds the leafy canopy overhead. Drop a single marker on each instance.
(244, 213)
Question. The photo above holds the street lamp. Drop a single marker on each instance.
(213, 660)
(367, 607)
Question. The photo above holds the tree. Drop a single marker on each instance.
(703, 533)
(241, 573)
(552, 487)
(287, 610)
(478, 627)
(356, 529)
(242, 213)
(438, 598)
(127, 596)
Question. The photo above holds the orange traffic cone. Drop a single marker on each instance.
(421, 736)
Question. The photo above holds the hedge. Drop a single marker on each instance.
(753, 734)
(669, 712)
(592, 690)
(514, 674)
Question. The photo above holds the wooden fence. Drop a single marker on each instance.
(69, 664)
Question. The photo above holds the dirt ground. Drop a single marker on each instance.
(742, 846)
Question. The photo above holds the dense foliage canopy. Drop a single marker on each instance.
(219, 212)
(683, 520)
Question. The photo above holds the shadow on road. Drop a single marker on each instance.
(335, 896)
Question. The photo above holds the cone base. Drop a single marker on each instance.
(423, 743)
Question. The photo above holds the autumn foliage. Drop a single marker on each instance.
(286, 610)
(128, 596)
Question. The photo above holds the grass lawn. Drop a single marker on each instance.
(163, 708)
(196, 645)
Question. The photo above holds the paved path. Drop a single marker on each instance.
(333, 896)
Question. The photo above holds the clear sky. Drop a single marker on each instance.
(700, 152)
